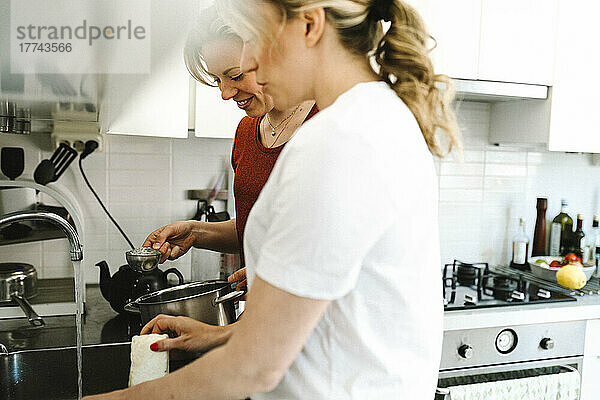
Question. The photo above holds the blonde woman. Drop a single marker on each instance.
(335, 308)
(212, 55)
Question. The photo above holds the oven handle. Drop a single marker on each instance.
(442, 394)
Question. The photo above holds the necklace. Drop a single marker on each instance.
(278, 135)
(274, 128)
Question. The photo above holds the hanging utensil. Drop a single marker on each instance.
(50, 170)
(44, 173)
(12, 162)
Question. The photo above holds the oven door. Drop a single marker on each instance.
(546, 379)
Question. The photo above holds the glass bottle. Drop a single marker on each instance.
(594, 244)
(578, 240)
(520, 248)
(539, 234)
(561, 231)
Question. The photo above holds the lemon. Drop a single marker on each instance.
(571, 277)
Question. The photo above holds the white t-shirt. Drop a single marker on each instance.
(349, 214)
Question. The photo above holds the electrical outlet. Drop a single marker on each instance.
(76, 133)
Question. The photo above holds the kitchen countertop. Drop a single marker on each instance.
(101, 325)
(586, 307)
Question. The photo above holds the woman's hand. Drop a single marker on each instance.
(173, 240)
(240, 277)
(192, 335)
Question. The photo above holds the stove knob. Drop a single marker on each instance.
(547, 344)
(465, 351)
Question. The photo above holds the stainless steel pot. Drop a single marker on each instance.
(18, 282)
(211, 302)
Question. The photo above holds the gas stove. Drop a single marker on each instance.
(505, 356)
(475, 285)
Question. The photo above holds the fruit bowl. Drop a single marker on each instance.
(544, 271)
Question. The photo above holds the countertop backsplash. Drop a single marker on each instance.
(143, 181)
(482, 199)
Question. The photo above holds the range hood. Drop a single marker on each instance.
(492, 91)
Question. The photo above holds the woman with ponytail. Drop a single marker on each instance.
(342, 243)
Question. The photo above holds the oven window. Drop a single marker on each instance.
(502, 376)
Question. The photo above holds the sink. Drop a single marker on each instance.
(52, 373)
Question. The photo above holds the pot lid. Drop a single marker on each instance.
(13, 269)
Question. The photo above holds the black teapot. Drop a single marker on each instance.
(127, 284)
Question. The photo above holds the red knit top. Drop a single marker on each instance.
(252, 163)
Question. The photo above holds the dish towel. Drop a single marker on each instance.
(563, 386)
(145, 363)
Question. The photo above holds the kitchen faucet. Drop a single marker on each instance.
(74, 242)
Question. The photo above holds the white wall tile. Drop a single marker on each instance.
(52, 272)
(505, 157)
(136, 162)
(29, 253)
(466, 251)
(128, 210)
(154, 177)
(534, 158)
(502, 184)
(461, 182)
(472, 156)
(462, 169)
(461, 195)
(117, 242)
(139, 196)
(137, 145)
(95, 242)
(95, 161)
(505, 170)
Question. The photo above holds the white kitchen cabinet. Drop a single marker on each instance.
(517, 41)
(507, 41)
(590, 384)
(215, 117)
(455, 25)
(568, 120)
(574, 115)
(154, 104)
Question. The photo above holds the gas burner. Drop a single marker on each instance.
(466, 274)
(504, 288)
(475, 285)
(504, 282)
